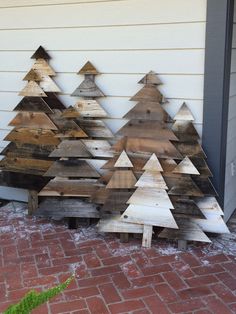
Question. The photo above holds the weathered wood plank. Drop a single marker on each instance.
(48, 85)
(123, 161)
(149, 215)
(88, 69)
(147, 236)
(32, 89)
(42, 66)
(190, 149)
(26, 165)
(116, 201)
(54, 102)
(113, 224)
(34, 120)
(35, 104)
(184, 114)
(184, 186)
(144, 146)
(35, 137)
(150, 79)
(205, 186)
(151, 179)
(148, 93)
(186, 167)
(27, 150)
(70, 188)
(186, 207)
(98, 148)
(95, 128)
(202, 167)
(188, 231)
(185, 131)
(41, 53)
(87, 89)
(137, 161)
(72, 168)
(89, 108)
(147, 128)
(70, 148)
(148, 111)
(122, 179)
(32, 201)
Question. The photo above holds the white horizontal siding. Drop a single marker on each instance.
(123, 38)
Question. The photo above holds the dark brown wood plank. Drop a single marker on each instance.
(36, 137)
(54, 102)
(186, 207)
(185, 131)
(150, 79)
(116, 201)
(26, 165)
(202, 167)
(35, 104)
(88, 68)
(182, 185)
(190, 149)
(148, 93)
(205, 186)
(41, 53)
(27, 150)
(72, 168)
(147, 129)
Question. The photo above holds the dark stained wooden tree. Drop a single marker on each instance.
(33, 136)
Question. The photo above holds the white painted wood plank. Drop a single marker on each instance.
(141, 61)
(174, 86)
(164, 36)
(104, 13)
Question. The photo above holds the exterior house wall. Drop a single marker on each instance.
(124, 39)
(230, 179)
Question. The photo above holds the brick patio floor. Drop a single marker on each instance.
(112, 277)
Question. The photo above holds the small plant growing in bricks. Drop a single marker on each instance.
(34, 299)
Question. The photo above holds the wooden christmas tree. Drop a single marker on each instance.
(195, 207)
(145, 133)
(33, 137)
(82, 143)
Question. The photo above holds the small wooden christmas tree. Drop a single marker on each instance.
(33, 137)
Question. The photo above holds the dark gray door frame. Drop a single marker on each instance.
(219, 31)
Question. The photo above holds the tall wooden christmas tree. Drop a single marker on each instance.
(74, 175)
(196, 209)
(33, 137)
(145, 133)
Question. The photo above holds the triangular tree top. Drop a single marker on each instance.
(186, 167)
(153, 164)
(150, 79)
(88, 89)
(148, 93)
(32, 76)
(88, 69)
(184, 113)
(41, 53)
(32, 89)
(123, 161)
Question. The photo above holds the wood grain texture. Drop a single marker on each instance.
(60, 208)
(33, 120)
(70, 112)
(209, 205)
(32, 89)
(147, 129)
(186, 207)
(35, 104)
(35, 137)
(148, 93)
(184, 186)
(123, 161)
(26, 165)
(98, 148)
(137, 161)
(69, 188)
(72, 168)
(100, 195)
(147, 110)
(87, 89)
(32, 76)
(205, 186)
(48, 85)
(122, 179)
(190, 149)
(213, 224)
(153, 164)
(42, 66)
(184, 114)
(54, 102)
(186, 167)
(116, 201)
(151, 179)
(145, 146)
(147, 236)
(88, 69)
(70, 148)
(95, 128)
(202, 167)
(188, 231)
(149, 215)
(150, 79)
(185, 131)
(16, 149)
(89, 108)
(114, 225)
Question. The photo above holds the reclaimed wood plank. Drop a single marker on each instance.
(32, 89)
(34, 120)
(113, 224)
(122, 179)
(98, 148)
(87, 89)
(70, 148)
(35, 104)
(147, 236)
(95, 128)
(186, 167)
(89, 108)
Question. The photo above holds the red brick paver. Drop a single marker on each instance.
(112, 277)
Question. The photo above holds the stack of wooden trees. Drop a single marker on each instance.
(75, 178)
(174, 191)
(33, 137)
